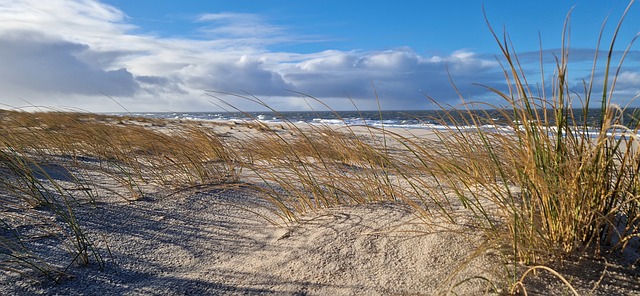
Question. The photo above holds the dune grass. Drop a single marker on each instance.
(549, 184)
(577, 181)
(545, 185)
(303, 168)
(53, 162)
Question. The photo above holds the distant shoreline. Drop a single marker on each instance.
(395, 118)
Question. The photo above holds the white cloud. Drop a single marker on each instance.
(330, 60)
(55, 49)
(627, 87)
(401, 77)
(393, 59)
(628, 77)
(239, 25)
(63, 19)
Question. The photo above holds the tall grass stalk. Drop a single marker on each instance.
(549, 183)
(49, 162)
(304, 168)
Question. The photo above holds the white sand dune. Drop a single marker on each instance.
(219, 240)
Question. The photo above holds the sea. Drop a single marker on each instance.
(422, 119)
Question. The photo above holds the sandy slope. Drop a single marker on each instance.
(218, 240)
(215, 242)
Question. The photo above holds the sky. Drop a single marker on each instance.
(185, 56)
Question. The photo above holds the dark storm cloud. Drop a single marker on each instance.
(40, 64)
(244, 75)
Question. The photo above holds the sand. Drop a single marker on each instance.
(220, 240)
(213, 242)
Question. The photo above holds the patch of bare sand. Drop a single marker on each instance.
(218, 241)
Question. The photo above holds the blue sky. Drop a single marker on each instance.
(163, 55)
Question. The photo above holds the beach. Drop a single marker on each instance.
(231, 237)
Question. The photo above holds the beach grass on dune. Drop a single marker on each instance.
(48, 163)
(546, 186)
(310, 167)
(552, 184)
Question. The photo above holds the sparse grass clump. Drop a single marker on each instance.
(544, 183)
(53, 162)
(303, 168)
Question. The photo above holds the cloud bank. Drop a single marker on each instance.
(71, 53)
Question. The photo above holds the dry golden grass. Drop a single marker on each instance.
(548, 185)
(44, 164)
(306, 168)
